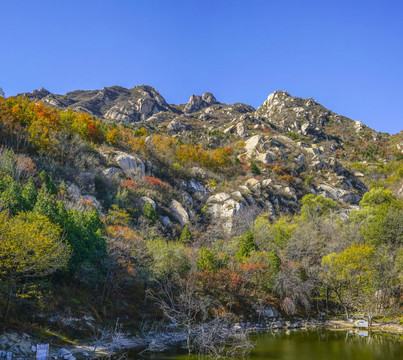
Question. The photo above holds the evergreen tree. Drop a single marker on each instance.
(29, 194)
(246, 246)
(186, 235)
(150, 213)
(274, 262)
(46, 205)
(207, 260)
(10, 196)
(49, 182)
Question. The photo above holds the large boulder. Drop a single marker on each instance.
(224, 207)
(339, 195)
(241, 130)
(111, 172)
(130, 164)
(179, 212)
(252, 143)
(176, 126)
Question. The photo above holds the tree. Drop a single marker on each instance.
(30, 247)
(186, 235)
(150, 213)
(84, 232)
(275, 236)
(381, 218)
(205, 323)
(274, 262)
(350, 275)
(207, 260)
(10, 195)
(29, 194)
(316, 206)
(246, 246)
(117, 216)
(48, 182)
(46, 205)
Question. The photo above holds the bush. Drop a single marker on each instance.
(255, 169)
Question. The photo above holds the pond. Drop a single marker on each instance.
(316, 344)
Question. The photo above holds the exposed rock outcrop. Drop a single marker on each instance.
(197, 102)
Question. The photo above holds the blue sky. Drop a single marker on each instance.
(348, 55)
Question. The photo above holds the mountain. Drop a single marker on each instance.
(264, 211)
(296, 146)
(115, 102)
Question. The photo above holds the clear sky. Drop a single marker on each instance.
(348, 55)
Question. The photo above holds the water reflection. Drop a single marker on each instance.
(314, 345)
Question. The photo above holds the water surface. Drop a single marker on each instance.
(314, 345)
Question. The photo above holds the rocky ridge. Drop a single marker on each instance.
(293, 141)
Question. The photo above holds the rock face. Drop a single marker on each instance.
(292, 114)
(224, 207)
(197, 102)
(115, 102)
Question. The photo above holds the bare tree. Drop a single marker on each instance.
(208, 331)
(109, 337)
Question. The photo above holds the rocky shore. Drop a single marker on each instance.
(21, 346)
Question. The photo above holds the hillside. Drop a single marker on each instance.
(264, 205)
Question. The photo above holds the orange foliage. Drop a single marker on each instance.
(129, 184)
(287, 178)
(156, 182)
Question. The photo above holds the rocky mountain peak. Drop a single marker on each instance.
(197, 102)
(37, 94)
(112, 102)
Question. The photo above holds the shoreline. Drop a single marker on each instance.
(22, 345)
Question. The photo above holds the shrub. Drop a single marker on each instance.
(255, 169)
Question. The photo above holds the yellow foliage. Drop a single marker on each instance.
(30, 246)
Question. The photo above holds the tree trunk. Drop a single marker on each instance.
(327, 298)
(188, 338)
(347, 313)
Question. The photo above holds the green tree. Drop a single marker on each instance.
(186, 235)
(316, 206)
(150, 213)
(46, 205)
(246, 246)
(350, 275)
(49, 182)
(169, 259)
(84, 232)
(10, 196)
(207, 260)
(274, 262)
(29, 194)
(380, 218)
(269, 236)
